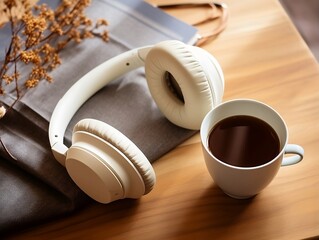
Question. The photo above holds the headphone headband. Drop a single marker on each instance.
(75, 96)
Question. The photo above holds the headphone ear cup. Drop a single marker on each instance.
(181, 79)
(213, 72)
(119, 157)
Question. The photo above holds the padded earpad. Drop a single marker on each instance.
(194, 73)
(122, 143)
(213, 72)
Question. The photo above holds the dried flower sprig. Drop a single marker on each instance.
(39, 35)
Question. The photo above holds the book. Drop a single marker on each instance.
(153, 17)
(157, 19)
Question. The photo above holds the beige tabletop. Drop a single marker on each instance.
(264, 58)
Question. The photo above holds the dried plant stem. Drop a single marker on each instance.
(38, 38)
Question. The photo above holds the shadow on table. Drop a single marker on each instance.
(214, 213)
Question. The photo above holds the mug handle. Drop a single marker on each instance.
(292, 149)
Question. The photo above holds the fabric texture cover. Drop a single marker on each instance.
(33, 185)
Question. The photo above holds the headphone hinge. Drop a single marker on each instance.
(59, 151)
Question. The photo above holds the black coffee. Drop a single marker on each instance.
(243, 141)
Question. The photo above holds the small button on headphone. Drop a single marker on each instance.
(185, 82)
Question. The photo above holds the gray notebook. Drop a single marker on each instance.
(35, 187)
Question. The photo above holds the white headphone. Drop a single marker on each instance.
(185, 82)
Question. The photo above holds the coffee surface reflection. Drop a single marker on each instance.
(243, 141)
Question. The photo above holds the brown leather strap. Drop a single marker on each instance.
(219, 12)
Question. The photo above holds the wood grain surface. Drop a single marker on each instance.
(264, 58)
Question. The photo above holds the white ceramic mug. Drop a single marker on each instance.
(245, 182)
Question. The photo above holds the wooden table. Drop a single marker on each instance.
(263, 57)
